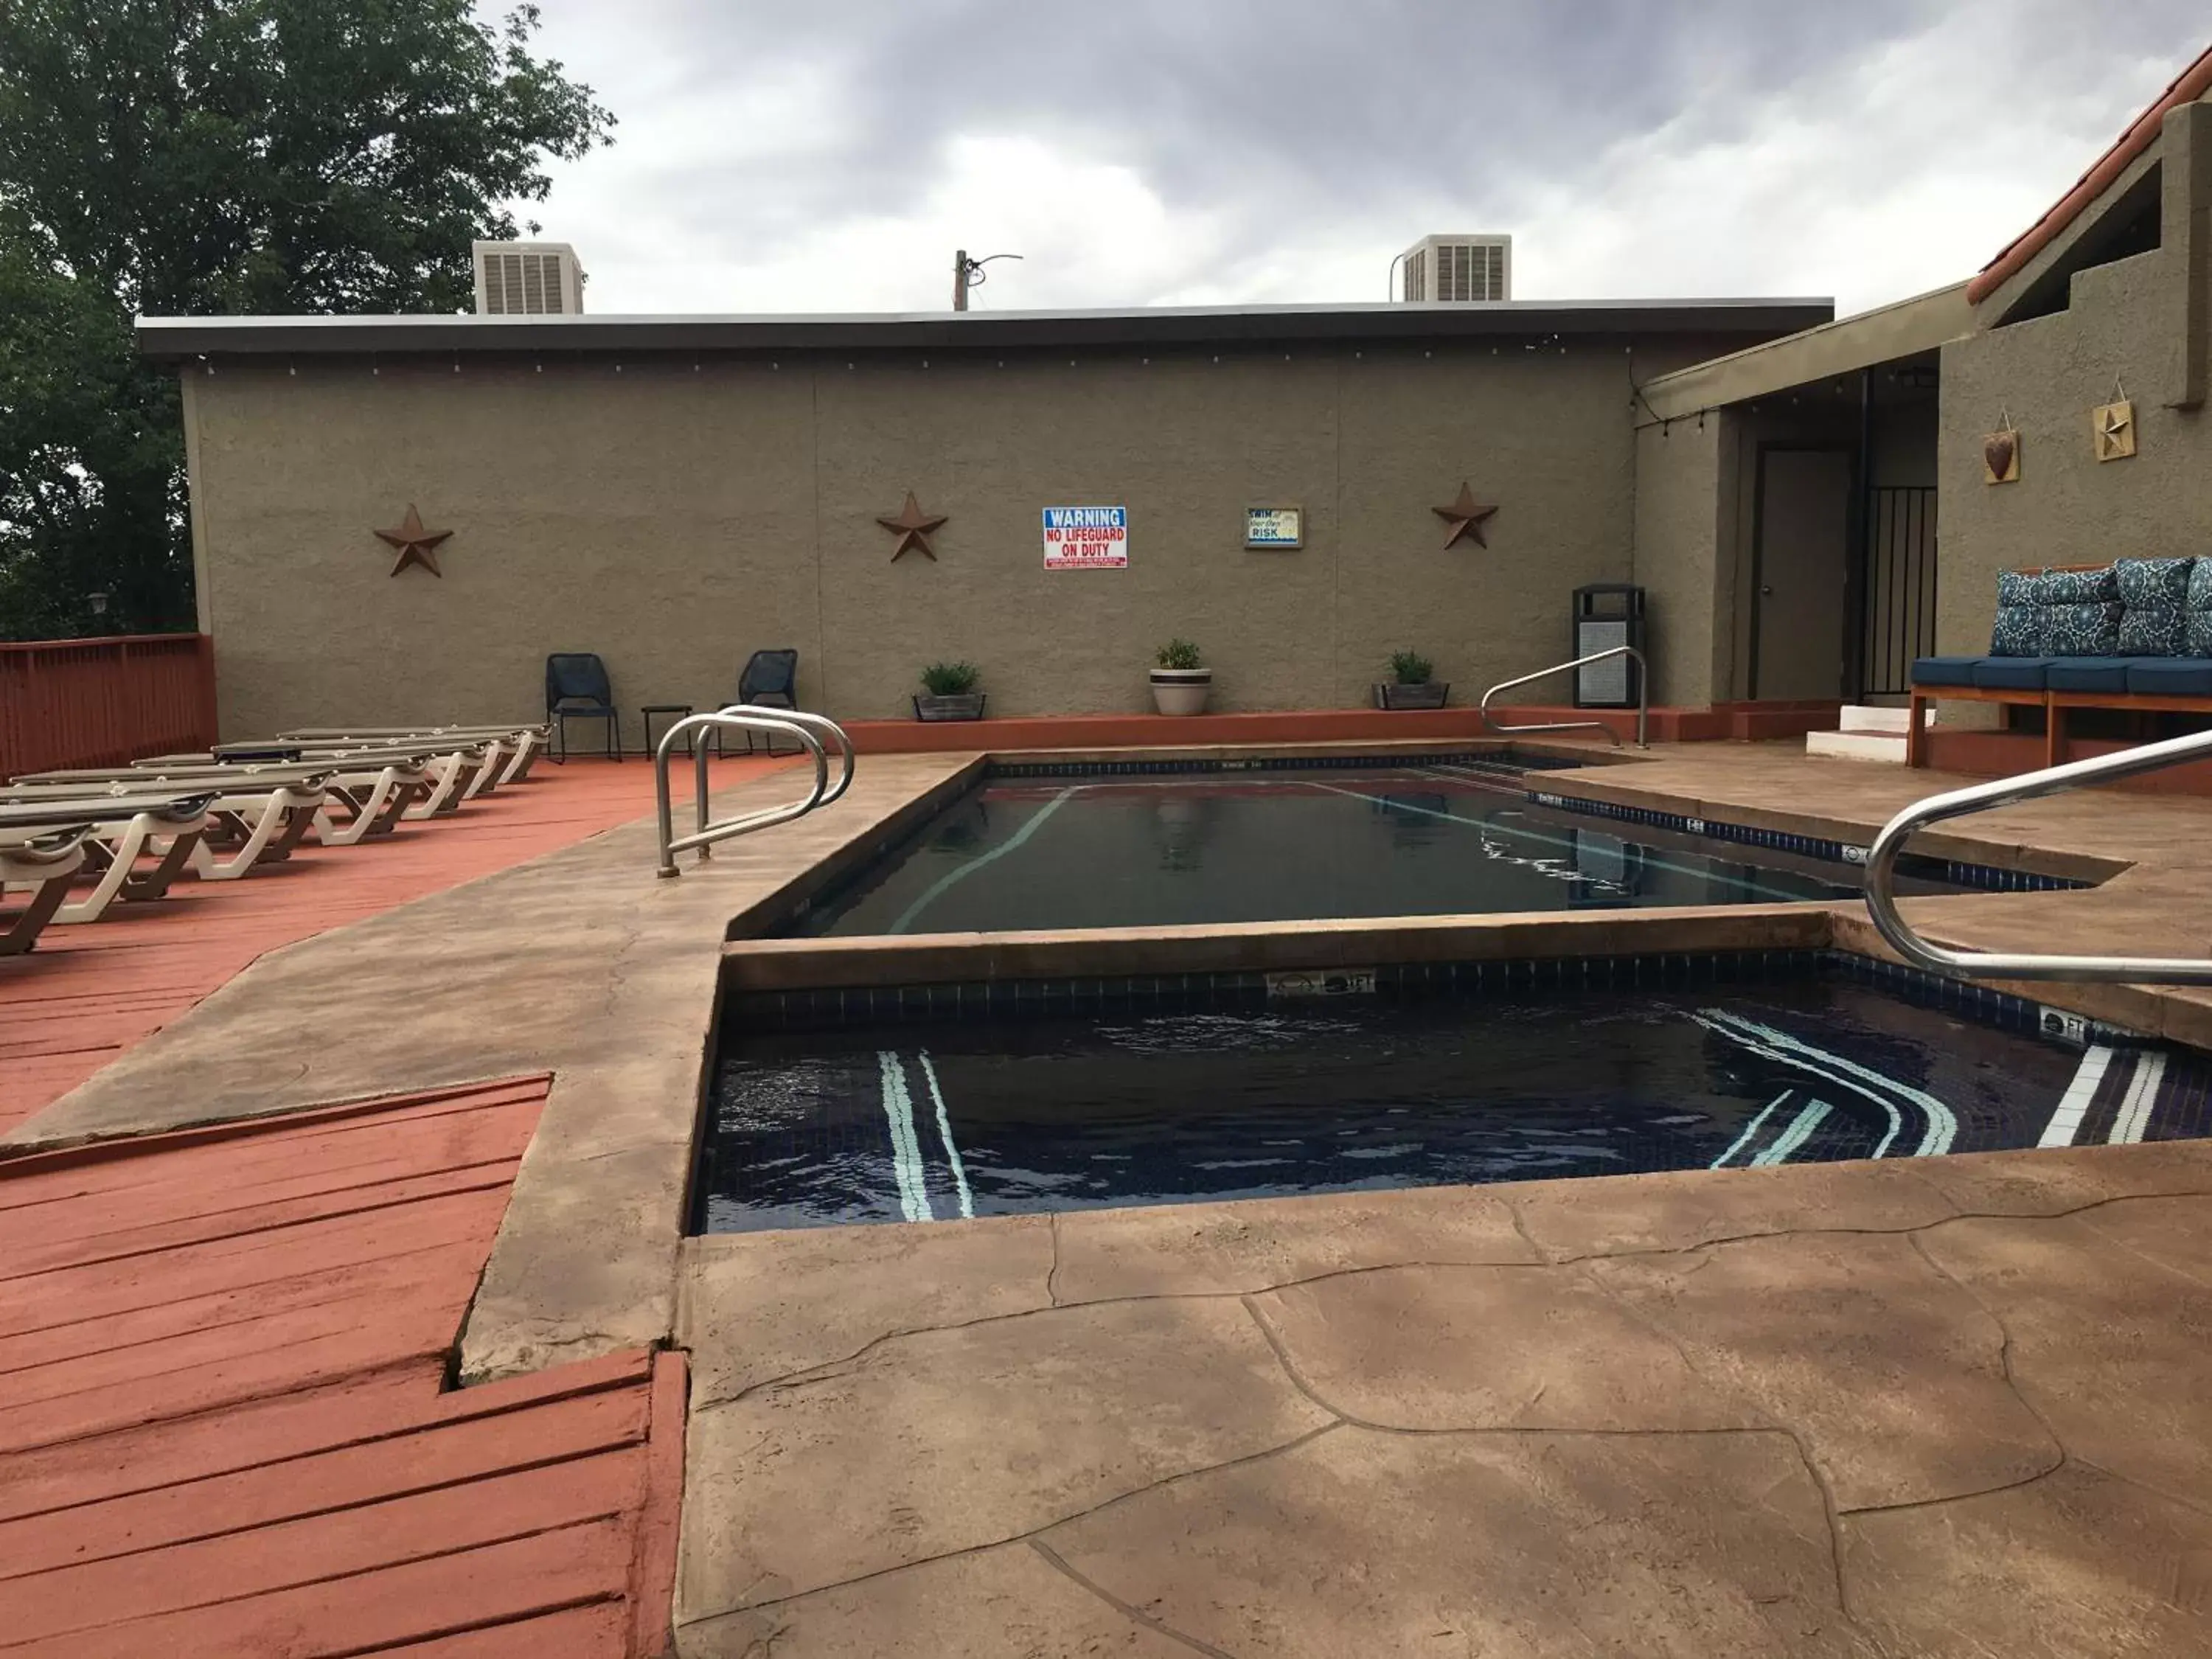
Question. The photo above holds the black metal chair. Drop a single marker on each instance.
(577, 688)
(769, 680)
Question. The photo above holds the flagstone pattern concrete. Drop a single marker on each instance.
(1815, 1410)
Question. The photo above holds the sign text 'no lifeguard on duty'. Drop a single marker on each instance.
(1086, 538)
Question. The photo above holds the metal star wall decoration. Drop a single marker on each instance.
(417, 545)
(1466, 518)
(913, 527)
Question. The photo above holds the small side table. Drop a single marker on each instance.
(681, 710)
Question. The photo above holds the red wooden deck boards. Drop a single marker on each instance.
(223, 1424)
(89, 991)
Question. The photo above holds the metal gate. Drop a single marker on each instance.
(1899, 619)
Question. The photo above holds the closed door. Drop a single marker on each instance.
(1802, 568)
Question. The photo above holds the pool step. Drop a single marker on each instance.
(1867, 717)
(1856, 746)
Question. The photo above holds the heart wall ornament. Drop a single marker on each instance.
(2001, 457)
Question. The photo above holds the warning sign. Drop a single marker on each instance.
(1086, 538)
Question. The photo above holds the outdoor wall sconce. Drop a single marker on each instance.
(914, 528)
(1465, 517)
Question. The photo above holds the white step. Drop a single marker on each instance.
(1856, 746)
(1863, 717)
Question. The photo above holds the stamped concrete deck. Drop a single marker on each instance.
(1955, 1407)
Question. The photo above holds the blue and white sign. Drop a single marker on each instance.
(1086, 538)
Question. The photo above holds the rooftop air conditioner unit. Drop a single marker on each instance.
(1459, 268)
(527, 279)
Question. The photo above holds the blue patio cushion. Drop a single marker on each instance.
(2018, 631)
(1943, 671)
(2170, 677)
(2089, 674)
(2012, 673)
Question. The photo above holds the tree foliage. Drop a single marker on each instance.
(199, 157)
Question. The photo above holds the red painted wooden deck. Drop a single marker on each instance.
(222, 1423)
(89, 992)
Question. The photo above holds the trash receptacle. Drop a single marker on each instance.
(1607, 614)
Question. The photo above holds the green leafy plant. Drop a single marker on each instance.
(224, 157)
(1410, 668)
(1179, 653)
(950, 679)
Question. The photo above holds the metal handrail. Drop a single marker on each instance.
(1881, 868)
(784, 722)
(1642, 698)
(822, 725)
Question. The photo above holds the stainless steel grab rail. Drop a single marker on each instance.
(800, 726)
(1881, 868)
(1642, 698)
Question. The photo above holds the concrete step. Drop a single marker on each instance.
(1863, 717)
(1856, 746)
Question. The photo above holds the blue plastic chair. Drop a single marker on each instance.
(577, 688)
(769, 680)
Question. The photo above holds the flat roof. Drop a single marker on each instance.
(172, 338)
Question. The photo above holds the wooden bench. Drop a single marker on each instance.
(2056, 700)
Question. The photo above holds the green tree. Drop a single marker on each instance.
(198, 157)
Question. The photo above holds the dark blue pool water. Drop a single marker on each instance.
(1002, 1116)
(1122, 852)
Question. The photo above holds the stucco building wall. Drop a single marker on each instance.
(674, 518)
(2067, 507)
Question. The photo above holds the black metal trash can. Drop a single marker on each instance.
(1607, 614)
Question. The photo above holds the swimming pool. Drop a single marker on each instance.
(1288, 843)
(1170, 1099)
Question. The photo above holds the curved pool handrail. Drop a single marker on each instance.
(1881, 870)
(821, 724)
(1642, 698)
(693, 729)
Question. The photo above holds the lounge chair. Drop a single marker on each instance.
(372, 794)
(461, 768)
(44, 863)
(577, 688)
(119, 830)
(527, 742)
(248, 826)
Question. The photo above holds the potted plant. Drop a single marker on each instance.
(1179, 683)
(948, 693)
(1411, 685)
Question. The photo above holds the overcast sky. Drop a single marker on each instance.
(829, 155)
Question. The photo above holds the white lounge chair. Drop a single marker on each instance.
(524, 743)
(248, 826)
(372, 794)
(458, 770)
(119, 831)
(44, 864)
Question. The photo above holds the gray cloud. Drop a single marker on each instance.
(752, 131)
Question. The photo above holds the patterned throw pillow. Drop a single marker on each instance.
(2199, 641)
(2155, 631)
(2155, 584)
(2099, 586)
(2019, 631)
(2082, 630)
